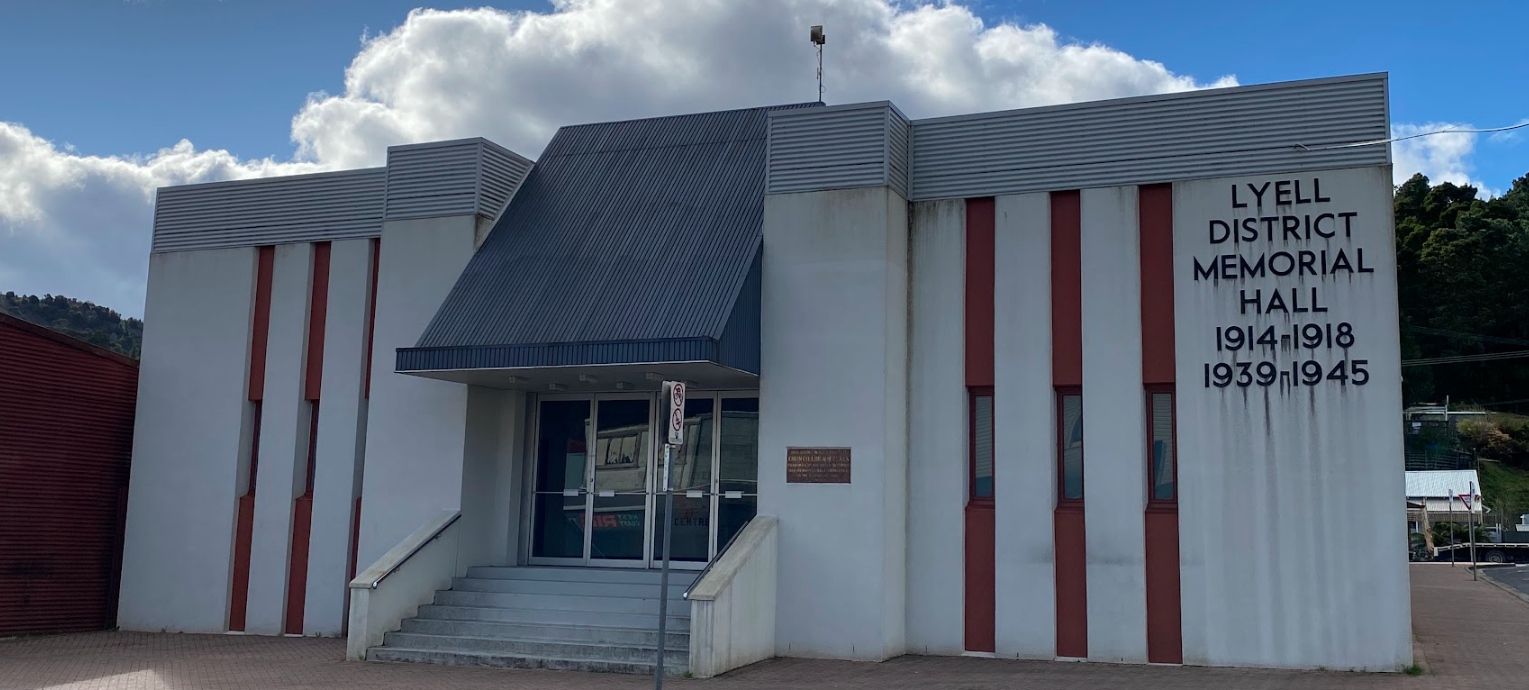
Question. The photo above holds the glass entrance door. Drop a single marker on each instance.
(597, 498)
(620, 470)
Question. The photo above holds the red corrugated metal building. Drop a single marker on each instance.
(66, 439)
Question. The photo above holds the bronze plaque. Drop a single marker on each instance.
(817, 465)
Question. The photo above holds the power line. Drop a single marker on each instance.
(1456, 359)
(1446, 130)
(1468, 336)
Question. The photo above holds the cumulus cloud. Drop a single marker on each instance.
(79, 225)
(1442, 157)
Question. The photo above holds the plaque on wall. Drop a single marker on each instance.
(817, 465)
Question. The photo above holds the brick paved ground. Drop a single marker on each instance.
(1468, 634)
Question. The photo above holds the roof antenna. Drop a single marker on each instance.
(818, 40)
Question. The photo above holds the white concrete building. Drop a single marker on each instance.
(437, 382)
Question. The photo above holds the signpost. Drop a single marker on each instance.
(674, 394)
(1470, 524)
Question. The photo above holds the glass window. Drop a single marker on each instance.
(1162, 446)
(740, 445)
(1070, 444)
(982, 446)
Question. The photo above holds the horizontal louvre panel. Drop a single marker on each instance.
(299, 208)
(834, 148)
(1244, 130)
(503, 171)
(433, 181)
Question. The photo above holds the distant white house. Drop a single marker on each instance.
(1437, 493)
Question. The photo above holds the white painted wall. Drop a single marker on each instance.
(732, 608)
(415, 431)
(187, 441)
(1024, 459)
(1268, 475)
(340, 436)
(404, 582)
(490, 506)
(1114, 428)
(834, 373)
(937, 429)
(284, 425)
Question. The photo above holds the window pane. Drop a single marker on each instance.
(693, 464)
(740, 446)
(732, 514)
(1162, 446)
(982, 446)
(1072, 446)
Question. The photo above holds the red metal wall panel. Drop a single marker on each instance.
(318, 308)
(1164, 612)
(1155, 209)
(981, 576)
(979, 291)
(66, 437)
(1067, 374)
(1066, 289)
(265, 266)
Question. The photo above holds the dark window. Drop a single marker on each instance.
(1070, 444)
(1160, 445)
(981, 450)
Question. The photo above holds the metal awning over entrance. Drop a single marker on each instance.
(631, 253)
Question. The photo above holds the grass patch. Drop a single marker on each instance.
(1505, 488)
(1413, 670)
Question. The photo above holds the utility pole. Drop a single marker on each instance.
(1470, 521)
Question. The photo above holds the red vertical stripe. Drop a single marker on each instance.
(1066, 289)
(1156, 224)
(1067, 373)
(244, 509)
(979, 291)
(318, 309)
(979, 567)
(264, 266)
(371, 314)
(1164, 611)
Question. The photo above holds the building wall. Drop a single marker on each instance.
(1114, 444)
(341, 436)
(833, 353)
(189, 434)
(937, 428)
(66, 435)
(1024, 451)
(284, 425)
(416, 427)
(1267, 472)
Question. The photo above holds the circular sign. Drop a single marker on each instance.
(677, 392)
(677, 420)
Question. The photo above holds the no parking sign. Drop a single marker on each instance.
(674, 392)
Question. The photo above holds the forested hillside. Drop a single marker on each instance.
(87, 321)
(1463, 274)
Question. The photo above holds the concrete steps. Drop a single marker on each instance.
(579, 619)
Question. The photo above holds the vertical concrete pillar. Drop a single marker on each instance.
(284, 425)
(834, 362)
(1114, 427)
(341, 438)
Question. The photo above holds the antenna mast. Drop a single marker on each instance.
(818, 39)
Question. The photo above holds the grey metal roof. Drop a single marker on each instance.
(624, 235)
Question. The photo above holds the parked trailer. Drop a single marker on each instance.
(1485, 553)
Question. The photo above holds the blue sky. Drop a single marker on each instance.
(99, 89)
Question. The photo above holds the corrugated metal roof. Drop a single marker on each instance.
(1440, 483)
(635, 231)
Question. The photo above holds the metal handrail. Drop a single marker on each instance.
(436, 535)
(718, 557)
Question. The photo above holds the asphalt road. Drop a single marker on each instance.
(1515, 577)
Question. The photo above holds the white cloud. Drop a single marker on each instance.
(1442, 157)
(79, 225)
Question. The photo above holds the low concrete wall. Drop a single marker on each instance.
(732, 607)
(415, 569)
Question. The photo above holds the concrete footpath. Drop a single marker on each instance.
(1467, 635)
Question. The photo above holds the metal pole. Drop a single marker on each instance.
(663, 578)
(1470, 522)
(1454, 553)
